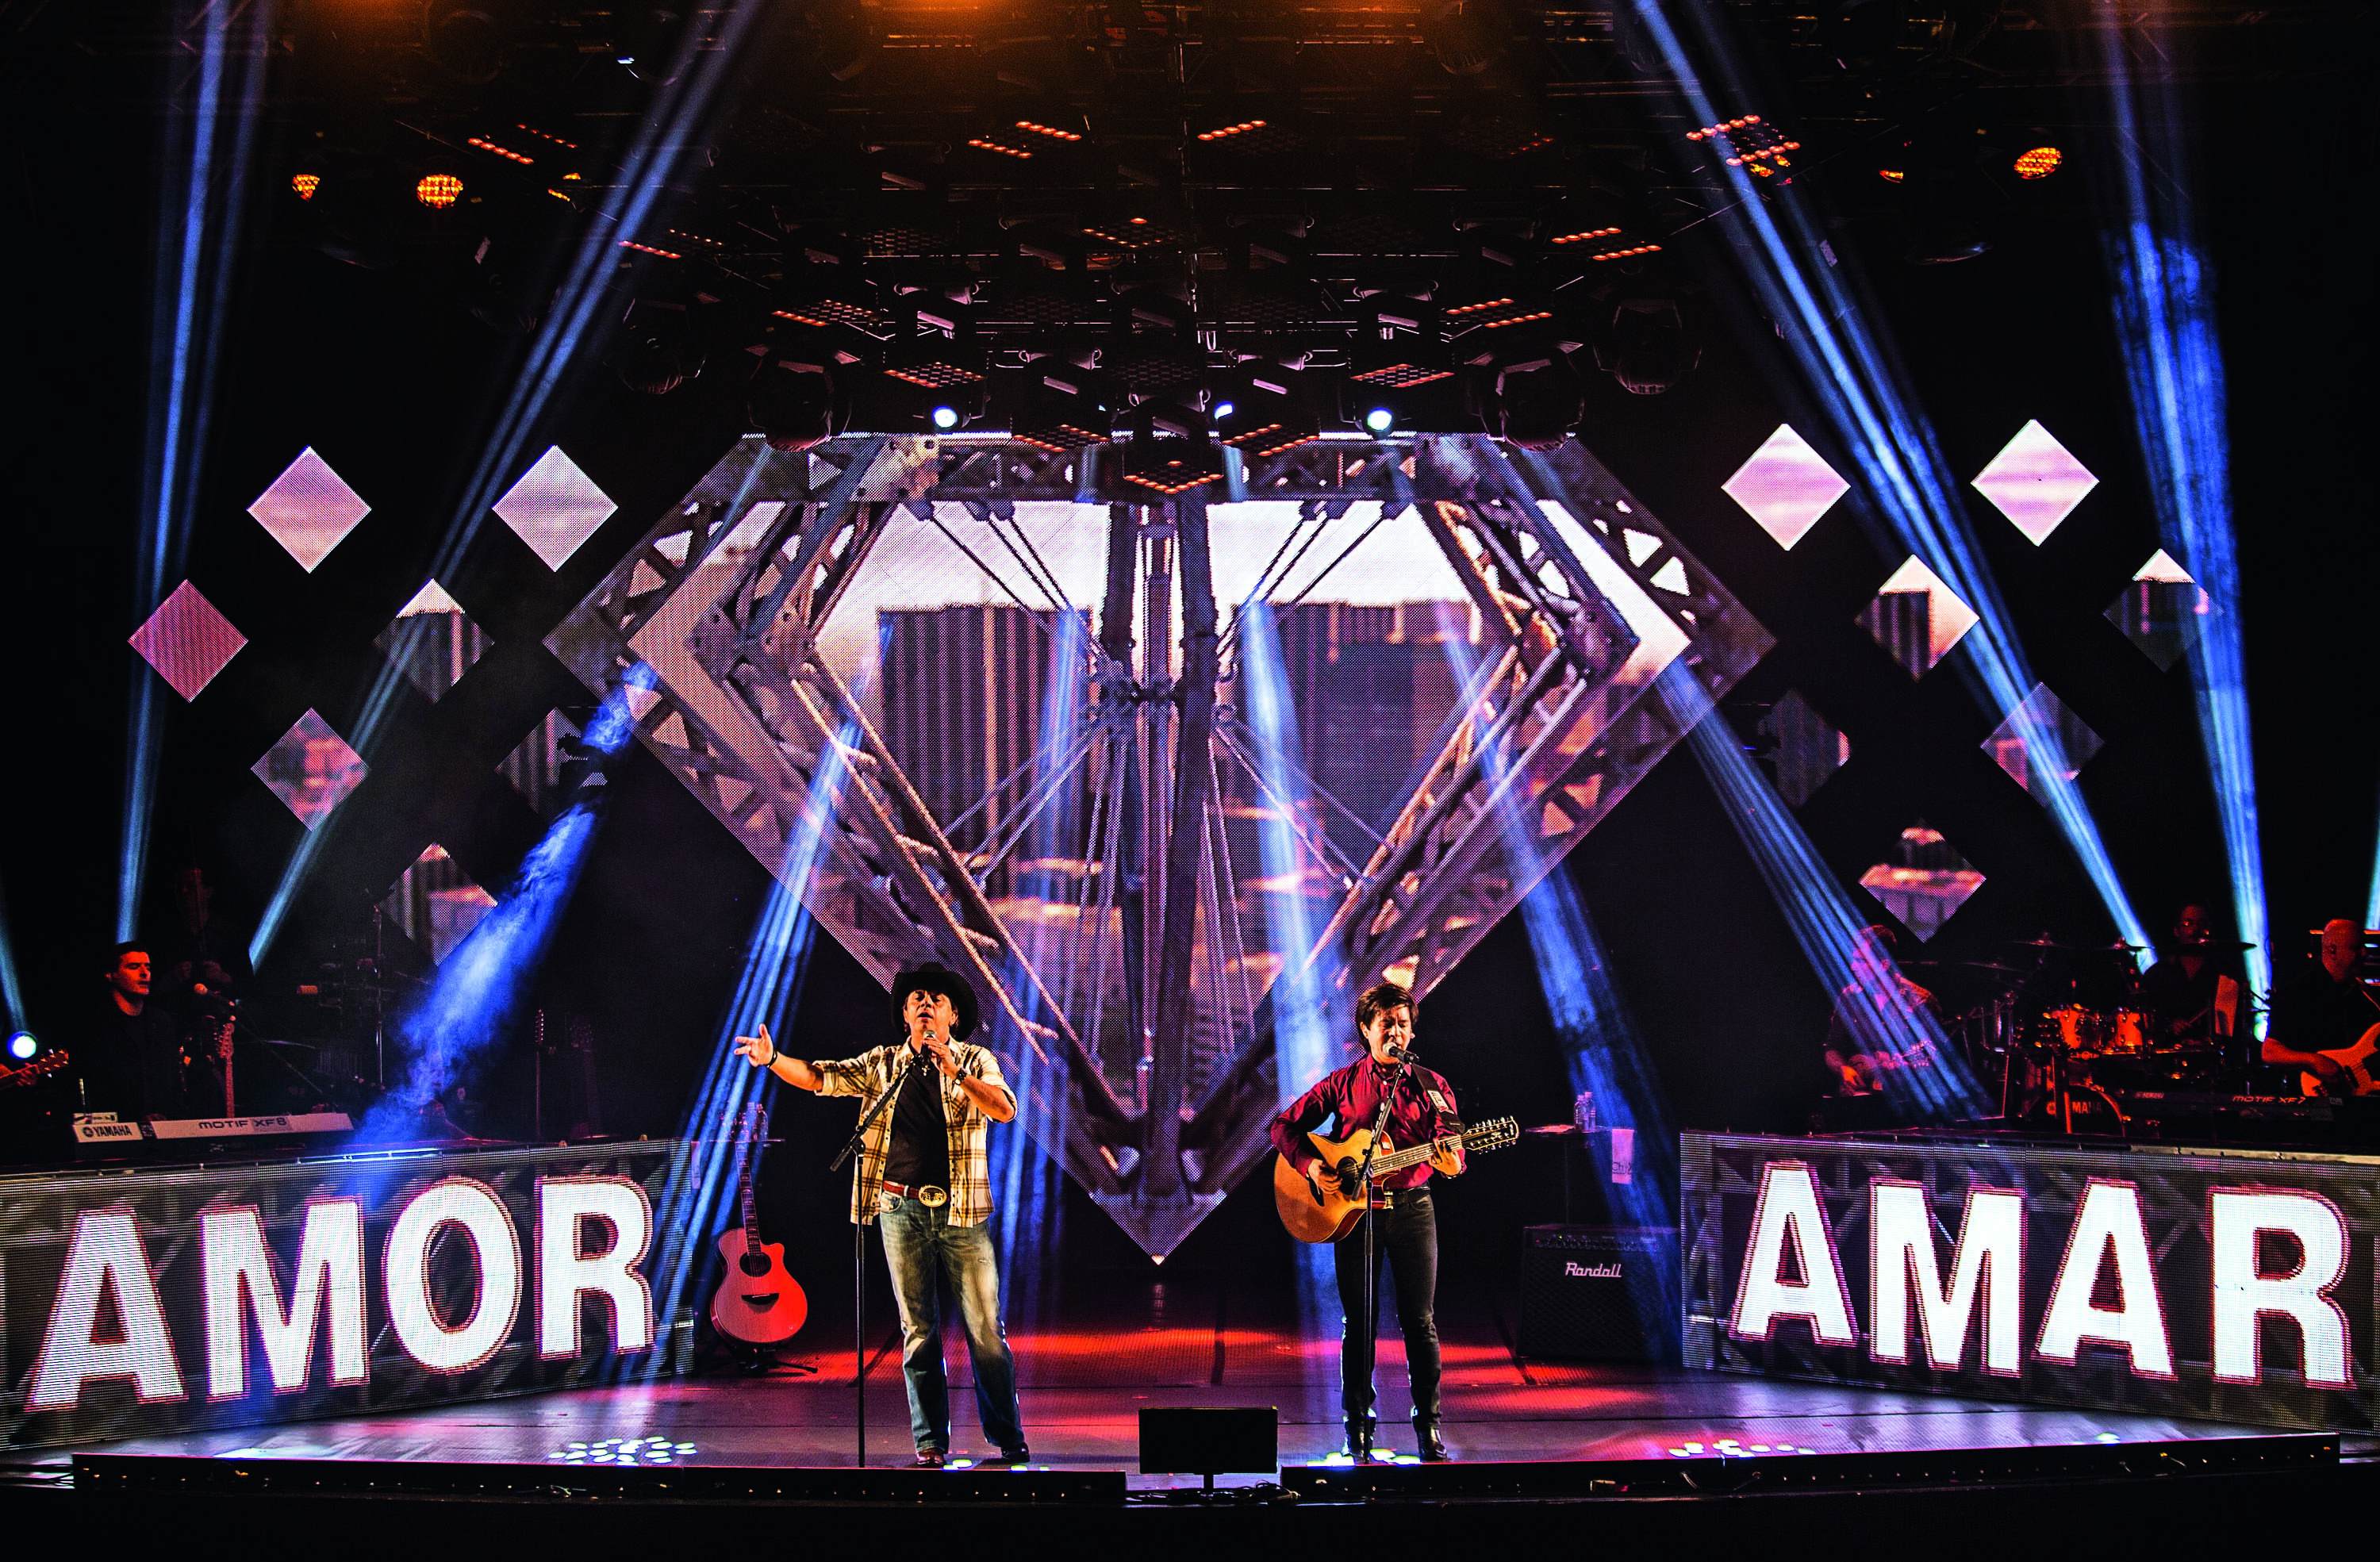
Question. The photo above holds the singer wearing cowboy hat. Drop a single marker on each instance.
(923, 1172)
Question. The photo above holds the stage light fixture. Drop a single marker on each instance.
(306, 184)
(1397, 346)
(1050, 131)
(1223, 410)
(1059, 407)
(944, 418)
(1270, 411)
(2039, 162)
(23, 1045)
(438, 192)
(1749, 143)
(657, 349)
(1168, 466)
(1380, 420)
(1467, 36)
(792, 403)
(504, 151)
(466, 39)
(1644, 338)
(1534, 399)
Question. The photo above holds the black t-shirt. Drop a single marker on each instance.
(131, 1064)
(919, 1154)
(2317, 1014)
(2181, 1002)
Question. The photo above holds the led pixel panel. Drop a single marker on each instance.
(1803, 746)
(2035, 482)
(1916, 618)
(1786, 486)
(2060, 739)
(2162, 610)
(432, 641)
(554, 507)
(311, 769)
(1924, 883)
(309, 509)
(188, 640)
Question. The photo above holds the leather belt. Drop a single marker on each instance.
(929, 1195)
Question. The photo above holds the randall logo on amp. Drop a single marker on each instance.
(2194, 1283)
(1600, 1293)
(1578, 1271)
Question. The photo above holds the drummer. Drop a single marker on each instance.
(1876, 1028)
(2180, 991)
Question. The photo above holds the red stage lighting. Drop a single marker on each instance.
(2039, 163)
(306, 184)
(438, 192)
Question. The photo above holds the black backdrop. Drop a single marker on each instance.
(381, 373)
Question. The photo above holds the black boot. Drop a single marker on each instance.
(1360, 1441)
(1431, 1446)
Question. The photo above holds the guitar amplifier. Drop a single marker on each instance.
(1600, 1293)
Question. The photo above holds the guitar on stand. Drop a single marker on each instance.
(1315, 1215)
(757, 1303)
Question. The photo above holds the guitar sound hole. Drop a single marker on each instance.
(753, 1263)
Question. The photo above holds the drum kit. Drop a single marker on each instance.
(2074, 1034)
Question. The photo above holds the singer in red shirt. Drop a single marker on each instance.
(1421, 1108)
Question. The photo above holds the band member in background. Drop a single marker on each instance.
(1880, 1023)
(2325, 1010)
(131, 1061)
(2180, 991)
(1405, 1221)
(923, 1172)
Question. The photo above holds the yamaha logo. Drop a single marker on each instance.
(1577, 1271)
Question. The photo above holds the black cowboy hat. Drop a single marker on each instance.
(934, 976)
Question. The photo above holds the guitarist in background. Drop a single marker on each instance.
(1421, 1108)
(923, 1169)
(2325, 1010)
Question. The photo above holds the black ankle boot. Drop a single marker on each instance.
(1431, 1446)
(1361, 1441)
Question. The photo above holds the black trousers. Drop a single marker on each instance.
(1405, 1239)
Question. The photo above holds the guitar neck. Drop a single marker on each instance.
(1397, 1160)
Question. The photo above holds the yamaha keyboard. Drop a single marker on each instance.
(102, 1129)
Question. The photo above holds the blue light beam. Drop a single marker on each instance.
(190, 297)
(476, 996)
(1822, 915)
(2173, 368)
(1851, 376)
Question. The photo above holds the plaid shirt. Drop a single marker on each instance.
(871, 1073)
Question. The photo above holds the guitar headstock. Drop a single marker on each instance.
(1493, 1134)
(47, 1063)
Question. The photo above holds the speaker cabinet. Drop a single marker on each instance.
(1600, 1293)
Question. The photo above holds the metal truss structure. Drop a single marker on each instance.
(1144, 1033)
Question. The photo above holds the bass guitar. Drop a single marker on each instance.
(1326, 1214)
(2355, 1075)
(757, 1303)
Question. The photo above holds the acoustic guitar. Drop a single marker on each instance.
(1318, 1215)
(2355, 1076)
(757, 1303)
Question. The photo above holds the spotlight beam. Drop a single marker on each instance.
(2173, 370)
(672, 125)
(191, 298)
(1850, 374)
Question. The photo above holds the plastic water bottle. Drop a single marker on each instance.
(1583, 1111)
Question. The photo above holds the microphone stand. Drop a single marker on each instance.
(1359, 1437)
(859, 1253)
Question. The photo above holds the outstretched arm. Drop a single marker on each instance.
(761, 1052)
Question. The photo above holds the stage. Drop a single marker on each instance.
(1119, 1347)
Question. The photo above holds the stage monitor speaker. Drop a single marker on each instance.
(1600, 1293)
(1210, 1442)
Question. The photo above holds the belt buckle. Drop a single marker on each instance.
(931, 1196)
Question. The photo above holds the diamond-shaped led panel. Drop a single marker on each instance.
(2035, 482)
(309, 509)
(554, 507)
(1786, 486)
(1916, 618)
(1925, 882)
(436, 905)
(432, 641)
(1805, 748)
(310, 769)
(2059, 740)
(2162, 610)
(188, 640)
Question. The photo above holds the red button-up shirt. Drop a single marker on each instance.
(1422, 1110)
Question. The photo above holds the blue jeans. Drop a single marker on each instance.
(922, 1247)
